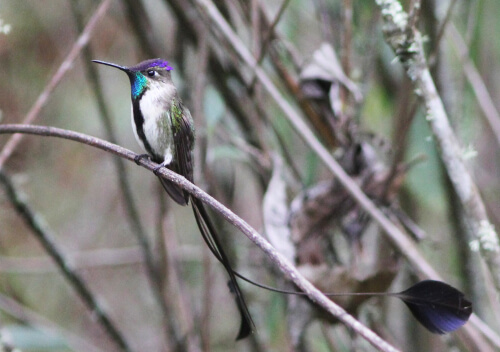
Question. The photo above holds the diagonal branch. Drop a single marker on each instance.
(479, 88)
(277, 258)
(24, 314)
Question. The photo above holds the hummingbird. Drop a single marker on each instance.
(164, 128)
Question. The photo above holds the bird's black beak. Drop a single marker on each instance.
(122, 68)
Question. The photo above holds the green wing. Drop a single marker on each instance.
(182, 163)
(183, 128)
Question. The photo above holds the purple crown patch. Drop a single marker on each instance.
(158, 63)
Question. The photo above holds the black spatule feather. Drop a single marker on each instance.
(439, 307)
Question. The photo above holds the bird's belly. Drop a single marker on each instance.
(157, 127)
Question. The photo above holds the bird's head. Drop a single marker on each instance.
(144, 74)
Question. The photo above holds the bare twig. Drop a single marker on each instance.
(23, 313)
(277, 258)
(182, 316)
(414, 14)
(43, 235)
(65, 66)
(346, 37)
(476, 81)
(80, 260)
(197, 103)
(268, 36)
(442, 29)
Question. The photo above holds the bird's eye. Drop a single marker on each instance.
(151, 73)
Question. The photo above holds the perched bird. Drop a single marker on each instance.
(164, 128)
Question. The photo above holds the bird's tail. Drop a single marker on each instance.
(210, 236)
(180, 196)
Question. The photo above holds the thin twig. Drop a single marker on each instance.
(182, 315)
(414, 14)
(346, 37)
(32, 318)
(65, 66)
(442, 28)
(400, 240)
(80, 260)
(201, 140)
(46, 238)
(476, 81)
(171, 318)
(268, 36)
(285, 266)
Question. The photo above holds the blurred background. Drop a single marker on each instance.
(330, 62)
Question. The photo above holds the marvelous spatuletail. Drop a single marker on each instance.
(164, 128)
(439, 307)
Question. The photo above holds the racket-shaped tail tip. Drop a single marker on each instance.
(439, 307)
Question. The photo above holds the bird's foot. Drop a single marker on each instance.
(157, 169)
(138, 158)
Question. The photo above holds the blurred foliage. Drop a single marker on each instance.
(74, 188)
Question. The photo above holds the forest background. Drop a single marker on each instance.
(354, 71)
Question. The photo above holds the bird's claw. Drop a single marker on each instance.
(157, 169)
(138, 158)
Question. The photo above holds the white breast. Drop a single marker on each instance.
(157, 126)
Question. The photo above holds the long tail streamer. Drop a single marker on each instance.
(210, 236)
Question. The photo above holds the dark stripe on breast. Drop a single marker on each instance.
(139, 126)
